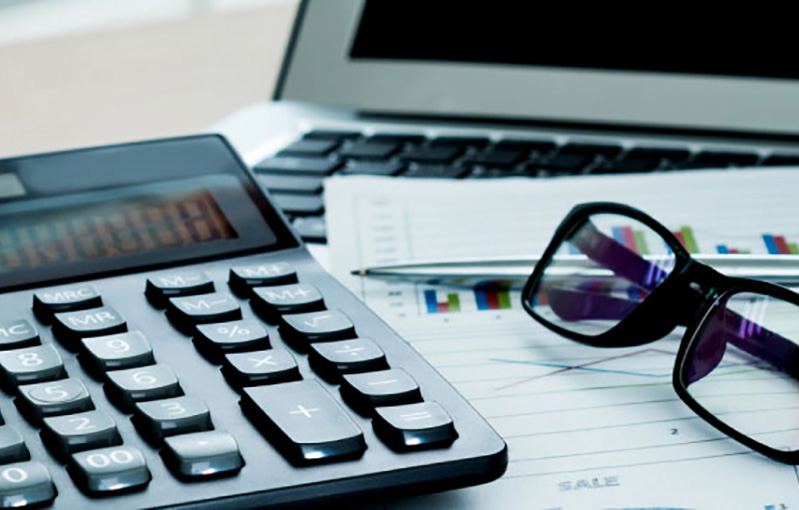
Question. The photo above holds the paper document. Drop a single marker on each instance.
(586, 427)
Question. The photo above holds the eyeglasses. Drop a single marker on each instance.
(612, 276)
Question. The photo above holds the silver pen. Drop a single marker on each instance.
(512, 272)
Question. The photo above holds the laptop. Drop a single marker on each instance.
(510, 89)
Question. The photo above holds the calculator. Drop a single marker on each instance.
(167, 341)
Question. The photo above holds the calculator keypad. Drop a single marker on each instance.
(31, 365)
(18, 334)
(70, 327)
(65, 396)
(303, 421)
(187, 312)
(154, 382)
(260, 367)
(215, 340)
(65, 435)
(48, 302)
(296, 414)
(25, 484)
(202, 455)
(172, 416)
(116, 352)
(12, 446)
(110, 470)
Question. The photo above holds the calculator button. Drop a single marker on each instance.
(271, 302)
(31, 365)
(303, 421)
(305, 328)
(392, 387)
(116, 352)
(331, 359)
(67, 396)
(25, 484)
(162, 418)
(189, 283)
(260, 367)
(202, 455)
(18, 334)
(414, 426)
(70, 327)
(189, 311)
(12, 446)
(243, 278)
(215, 340)
(110, 470)
(65, 435)
(65, 299)
(126, 387)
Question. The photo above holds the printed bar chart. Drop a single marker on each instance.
(436, 301)
(686, 237)
(778, 245)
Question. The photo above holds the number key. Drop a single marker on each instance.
(126, 387)
(32, 365)
(115, 352)
(161, 418)
(65, 435)
(25, 484)
(110, 470)
(53, 398)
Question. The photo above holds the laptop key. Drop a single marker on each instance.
(330, 134)
(371, 168)
(710, 159)
(588, 149)
(396, 138)
(299, 205)
(540, 146)
(292, 184)
(369, 150)
(459, 141)
(436, 171)
(782, 159)
(497, 158)
(311, 228)
(297, 166)
(434, 155)
(563, 162)
(310, 148)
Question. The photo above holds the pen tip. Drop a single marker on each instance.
(358, 272)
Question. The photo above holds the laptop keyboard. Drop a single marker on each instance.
(294, 174)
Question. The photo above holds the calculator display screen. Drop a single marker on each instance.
(140, 223)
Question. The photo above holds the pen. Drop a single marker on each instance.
(512, 272)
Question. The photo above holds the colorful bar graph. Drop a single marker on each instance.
(686, 237)
(779, 245)
(451, 302)
(492, 299)
(633, 239)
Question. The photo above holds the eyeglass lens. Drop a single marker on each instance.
(743, 367)
(601, 272)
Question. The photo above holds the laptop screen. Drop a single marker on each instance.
(538, 34)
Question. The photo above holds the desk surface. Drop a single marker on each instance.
(144, 81)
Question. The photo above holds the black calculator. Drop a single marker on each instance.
(167, 341)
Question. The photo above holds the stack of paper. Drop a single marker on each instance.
(586, 427)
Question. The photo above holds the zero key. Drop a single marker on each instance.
(47, 303)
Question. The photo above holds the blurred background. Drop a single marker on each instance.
(88, 72)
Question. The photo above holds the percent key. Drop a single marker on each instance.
(216, 340)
